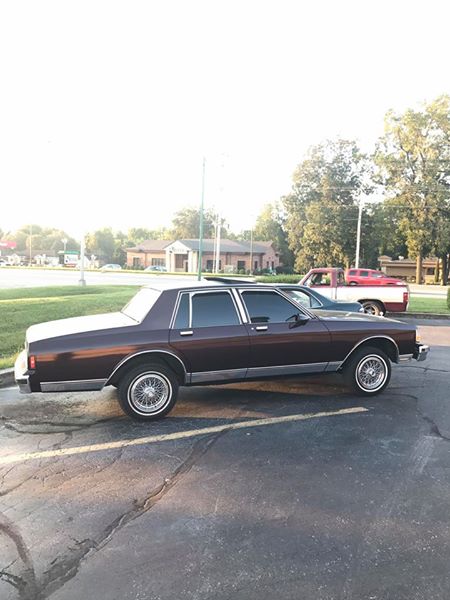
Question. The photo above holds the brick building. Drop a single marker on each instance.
(182, 255)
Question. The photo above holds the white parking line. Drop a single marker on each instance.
(151, 439)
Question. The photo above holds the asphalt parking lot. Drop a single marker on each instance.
(282, 489)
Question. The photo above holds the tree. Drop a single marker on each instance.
(413, 159)
(186, 224)
(269, 227)
(101, 243)
(322, 208)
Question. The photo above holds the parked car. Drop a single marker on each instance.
(172, 335)
(376, 299)
(370, 277)
(156, 269)
(111, 267)
(311, 299)
(3, 263)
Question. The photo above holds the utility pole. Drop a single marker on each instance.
(82, 281)
(358, 234)
(251, 251)
(31, 237)
(217, 265)
(200, 241)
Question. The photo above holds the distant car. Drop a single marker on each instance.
(3, 263)
(156, 269)
(111, 267)
(313, 300)
(370, 277)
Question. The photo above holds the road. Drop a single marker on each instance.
(16, 278)
(283, 489)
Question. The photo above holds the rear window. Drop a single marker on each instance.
(139, 306)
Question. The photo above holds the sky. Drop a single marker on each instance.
(108, 108)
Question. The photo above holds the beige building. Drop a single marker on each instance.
(405, 268)
(183, 256)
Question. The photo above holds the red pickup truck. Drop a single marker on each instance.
(376, 299)
(370, 277)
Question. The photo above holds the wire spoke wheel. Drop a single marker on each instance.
(149, 392)
(371, 373)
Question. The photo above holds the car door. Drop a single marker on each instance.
(209, 335)
(278, 343)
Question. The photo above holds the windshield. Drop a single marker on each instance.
(139, 306)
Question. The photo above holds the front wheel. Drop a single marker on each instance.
(148, 392)
(368, 371)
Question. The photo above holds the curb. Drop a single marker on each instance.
(411, 315)
(6, 377)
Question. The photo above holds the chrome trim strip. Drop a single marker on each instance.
(205, 376)
(240, 304)
(332, 366)
(77, 385)
(156, 351)
(372, 337)
(287, 369)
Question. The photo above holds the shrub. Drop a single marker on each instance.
(279, 278)
(448, 297)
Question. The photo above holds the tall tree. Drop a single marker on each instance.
(101, 243)
(322, 208)
(414, 164)
(186, 224)
(270, 227)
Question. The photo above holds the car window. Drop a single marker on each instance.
(352, 272)
(267, 307)
(376, 275)
(213, 309)
(302, 298)
(182, 318)
(340, 278)
(139, 306)
(364, 273)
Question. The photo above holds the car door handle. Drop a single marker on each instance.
(261, 328)
(186, 332)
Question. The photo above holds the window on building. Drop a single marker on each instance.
(241, 265)
(136, 261)
(158, 262)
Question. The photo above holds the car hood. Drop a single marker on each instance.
(332, 315)
(53, 329)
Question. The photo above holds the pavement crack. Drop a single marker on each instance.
(25, 580)
(66, 567)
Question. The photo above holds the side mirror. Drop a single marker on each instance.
(299, 320)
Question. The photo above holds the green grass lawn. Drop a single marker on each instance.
(20, 308)
(429, 305)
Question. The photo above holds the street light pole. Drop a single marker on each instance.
(358, 234)
(251, 251)
(200, 241)
(31, 236)
(82, 281)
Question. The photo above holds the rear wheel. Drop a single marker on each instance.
(372, 307)
(352, 283)
(368, 371)
(148, 392)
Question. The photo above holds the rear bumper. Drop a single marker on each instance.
(421, 352)
(21, 373)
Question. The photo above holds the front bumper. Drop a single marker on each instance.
(421, 352)
(21, 373)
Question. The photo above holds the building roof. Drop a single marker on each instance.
(228, 246)
(151, 246)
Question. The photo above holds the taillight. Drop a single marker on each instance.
(405, 297)
(32, 362)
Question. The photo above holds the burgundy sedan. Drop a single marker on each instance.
(211, 332)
